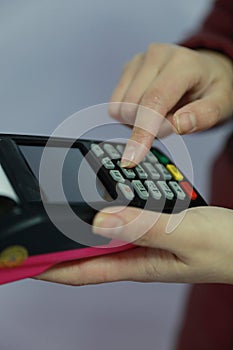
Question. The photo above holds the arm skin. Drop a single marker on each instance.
(199, 249)
(193, 89)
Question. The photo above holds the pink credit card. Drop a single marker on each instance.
(15, 265)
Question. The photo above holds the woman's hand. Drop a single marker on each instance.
(198, 249)
(192, 89)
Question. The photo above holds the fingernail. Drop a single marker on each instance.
(128, 157)
(126, 164)
(107, 225)
(185, 123)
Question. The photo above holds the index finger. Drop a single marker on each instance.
(161, 97)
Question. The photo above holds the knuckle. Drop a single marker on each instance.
(185, 57)
(155, 47)
(105, 275)
(151, 270)
(155, 100)
(152, 52)
(129, 104)
(128, 110)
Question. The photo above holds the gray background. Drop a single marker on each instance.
(57, 57)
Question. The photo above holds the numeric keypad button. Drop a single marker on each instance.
(151, 157)
(97, 150)
(141, 172)
(163, 171)
(107, 163)
(165, 189)
(153, 189)
(126, 191)
(111, 151)
(177, 190)
(120, 149)
(152, 172)
(129, 173)
(140, 189)
(116, 175)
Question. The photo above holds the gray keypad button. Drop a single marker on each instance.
(97, 150)
(126, 191)
(153, 189)
(177, 190)
(111, 151)
(129, 173)
(107, 163)
(165, 189)
(116, 175)
(163, 171)
(152, 172)
(151, 157)
(120, 149)
(140, 189)
(141, 172)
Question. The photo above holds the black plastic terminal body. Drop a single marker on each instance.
(27, 223)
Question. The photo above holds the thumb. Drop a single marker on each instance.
(146, 228)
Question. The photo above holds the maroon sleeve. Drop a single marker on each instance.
(216, 32)
(208, 322)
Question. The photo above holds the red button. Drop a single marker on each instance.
(188, 189)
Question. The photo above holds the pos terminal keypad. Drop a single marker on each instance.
(156, 178)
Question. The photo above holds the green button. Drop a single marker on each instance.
(161, 157)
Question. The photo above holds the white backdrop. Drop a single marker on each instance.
(56, 57)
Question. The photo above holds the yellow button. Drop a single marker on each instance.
(175, 172)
